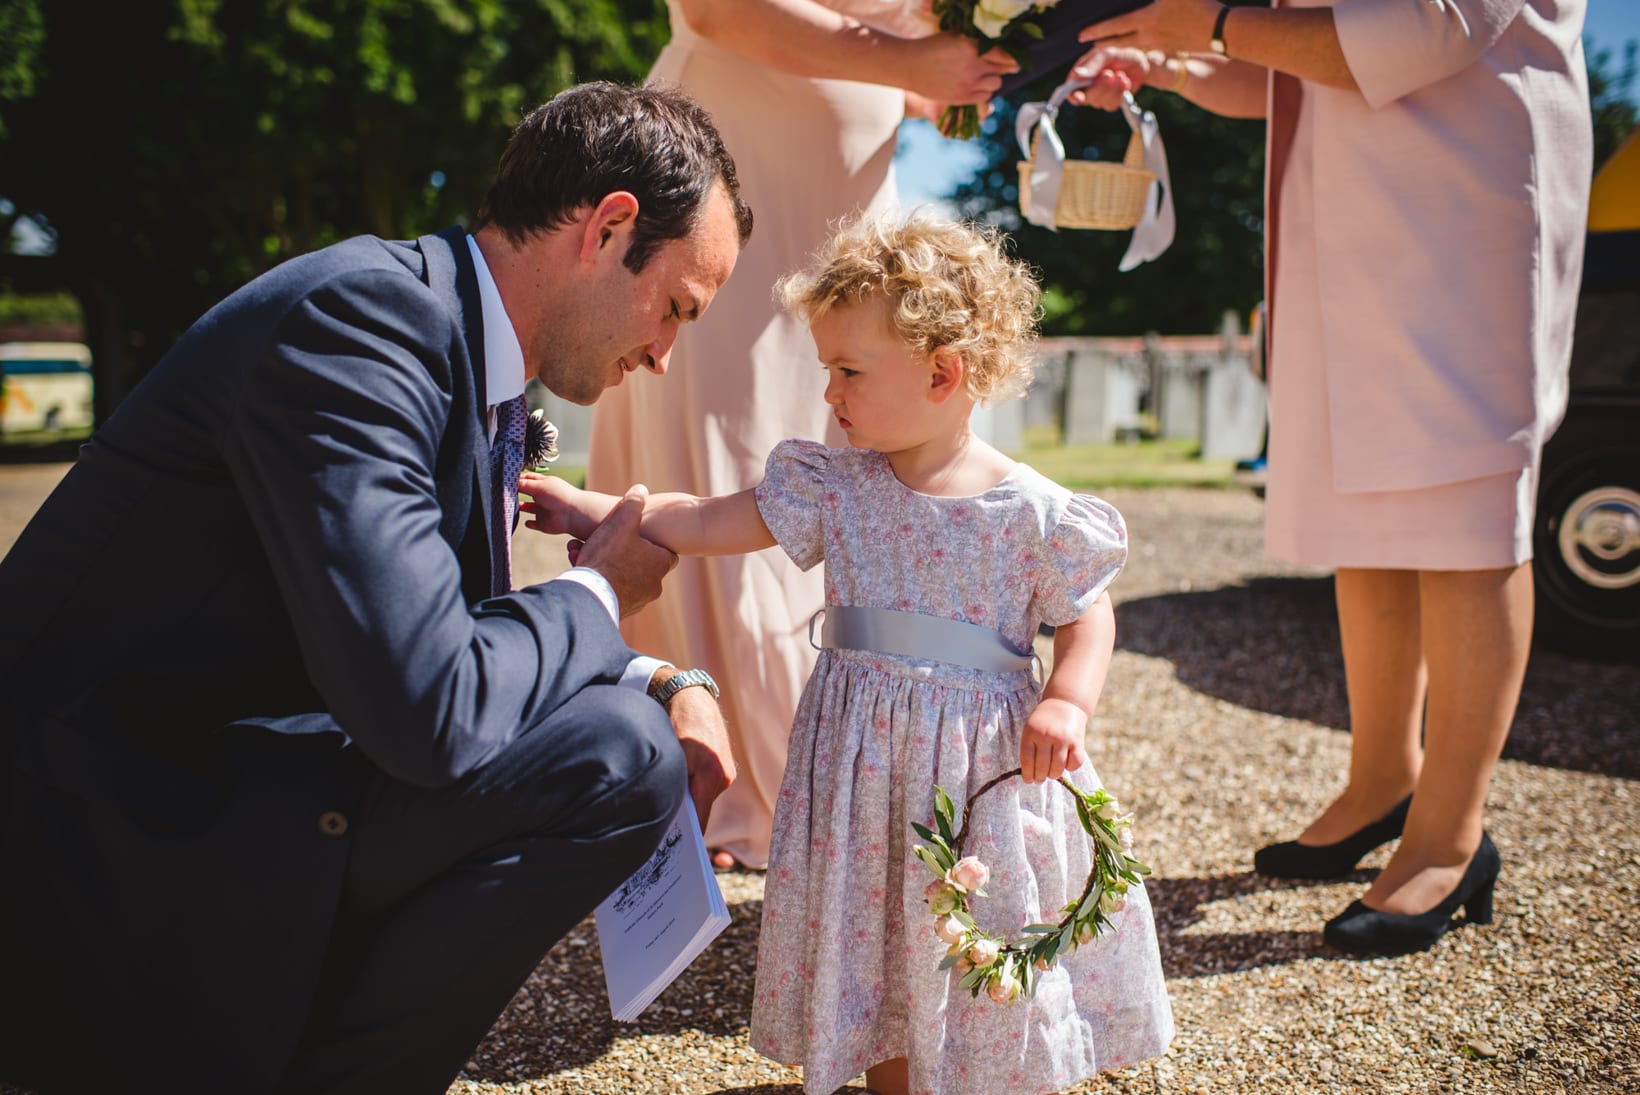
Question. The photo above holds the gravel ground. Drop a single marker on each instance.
(1224, 726)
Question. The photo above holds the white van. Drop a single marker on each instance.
(45, 388)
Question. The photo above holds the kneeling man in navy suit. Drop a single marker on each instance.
(295, 788)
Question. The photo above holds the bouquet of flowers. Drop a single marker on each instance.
(1008, 24)
(1005, 968)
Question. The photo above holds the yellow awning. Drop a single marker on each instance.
(1614, 202)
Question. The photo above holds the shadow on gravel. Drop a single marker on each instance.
(1178, 904)
(560, 1018)
(1272, 645)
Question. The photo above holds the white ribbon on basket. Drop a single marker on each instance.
(1154, 232)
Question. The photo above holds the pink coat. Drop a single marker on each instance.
(1451, 193)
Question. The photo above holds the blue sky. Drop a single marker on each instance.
(929, 165)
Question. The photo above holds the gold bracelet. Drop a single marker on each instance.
(1183, 78)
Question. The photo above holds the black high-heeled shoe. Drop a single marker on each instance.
(1290, 859)
(1361, 930)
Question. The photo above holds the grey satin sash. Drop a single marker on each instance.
(913, 635)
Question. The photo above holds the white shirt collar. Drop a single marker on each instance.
(503, 357)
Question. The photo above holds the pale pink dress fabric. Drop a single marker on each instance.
(1428, 237)
(744, 378)
(848, 962)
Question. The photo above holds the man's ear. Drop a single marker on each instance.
(609, 225)
(946, 376)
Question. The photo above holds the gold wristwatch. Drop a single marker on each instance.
(1217, 42)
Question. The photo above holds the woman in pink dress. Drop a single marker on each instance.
(809, 97)
(1428, 181)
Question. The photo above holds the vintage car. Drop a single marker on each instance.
(1587, 536)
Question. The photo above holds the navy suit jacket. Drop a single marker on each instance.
(283, 530)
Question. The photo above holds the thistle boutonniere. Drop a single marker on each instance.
(540, 441)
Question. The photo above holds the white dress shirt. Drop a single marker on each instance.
(504, 380)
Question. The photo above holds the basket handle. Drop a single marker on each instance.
(1154, 232)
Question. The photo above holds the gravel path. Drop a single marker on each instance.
(1223, 725)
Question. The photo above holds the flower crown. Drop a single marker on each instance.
(1006, 968)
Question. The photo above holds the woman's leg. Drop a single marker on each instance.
(1379, 625)
(1477, 630)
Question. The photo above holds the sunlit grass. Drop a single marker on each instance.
(1154, 462)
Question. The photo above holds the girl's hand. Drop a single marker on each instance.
(1053, 741)
(1114, 72)
(557, 508)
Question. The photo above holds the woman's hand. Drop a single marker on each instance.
(949, 69)
(1054, 741)
(1114, 72)
(918, 106)
(1171, 26)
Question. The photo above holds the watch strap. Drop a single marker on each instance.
(1218, 31)
(684, 678)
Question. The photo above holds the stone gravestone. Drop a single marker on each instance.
(1233, 426)
(1103, 383)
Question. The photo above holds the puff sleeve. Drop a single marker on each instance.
(1083, 553)
(789, 499)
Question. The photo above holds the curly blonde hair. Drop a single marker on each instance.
(949, 285)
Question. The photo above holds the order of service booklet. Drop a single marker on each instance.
(660, 919)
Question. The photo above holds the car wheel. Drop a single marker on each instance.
(1587, 536)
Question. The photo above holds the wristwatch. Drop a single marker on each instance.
(1218, 32)
(684, 678)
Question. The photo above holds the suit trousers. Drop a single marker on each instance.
(448, 899)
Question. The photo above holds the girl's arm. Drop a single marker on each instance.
(1054, 739)
(684, 523)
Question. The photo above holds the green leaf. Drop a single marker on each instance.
(944, 814)
(1031, 30)
(922, 831)
(930, 858)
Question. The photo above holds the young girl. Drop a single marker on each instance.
(943, 557)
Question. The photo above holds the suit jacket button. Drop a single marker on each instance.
(332, 823)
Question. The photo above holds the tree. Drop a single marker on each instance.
(179, 147)
(1610, 99)
(1215, 261)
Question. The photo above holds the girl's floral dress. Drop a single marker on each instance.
(847, 972)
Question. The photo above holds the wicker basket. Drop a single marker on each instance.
(1094, 193)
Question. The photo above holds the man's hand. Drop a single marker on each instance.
(698, 722)
(633, 565)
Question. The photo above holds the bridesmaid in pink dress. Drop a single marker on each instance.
(809, 98)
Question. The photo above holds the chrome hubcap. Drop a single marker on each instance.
(1600, 538)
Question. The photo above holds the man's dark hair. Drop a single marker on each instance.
(594, 139)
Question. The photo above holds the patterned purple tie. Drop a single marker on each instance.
(506, 461)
